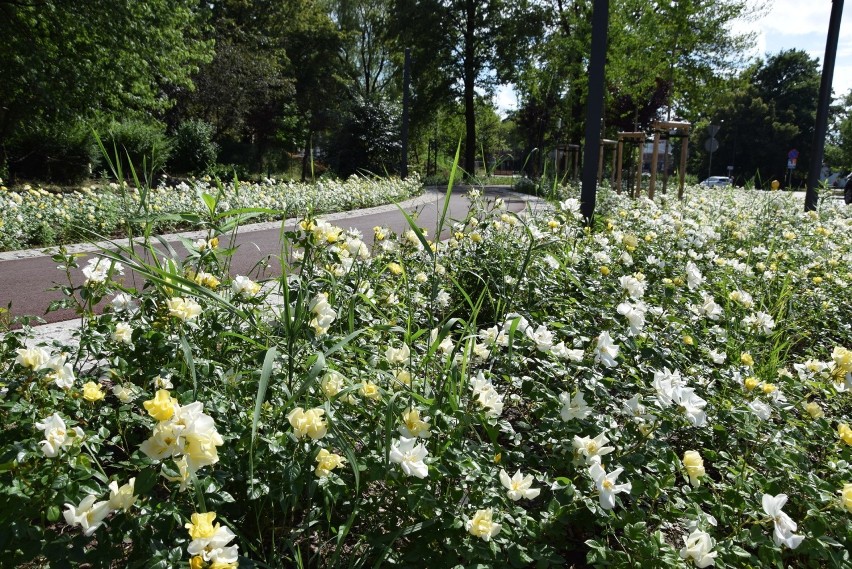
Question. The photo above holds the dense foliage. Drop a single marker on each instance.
(775, 103)
(282, 84)
(672, 389)
(75, 65)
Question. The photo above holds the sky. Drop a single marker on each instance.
(786, 24)
(804, 25)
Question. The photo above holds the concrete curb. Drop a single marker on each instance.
(427, 197)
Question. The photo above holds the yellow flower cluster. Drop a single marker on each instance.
(183, 308)
(310, 423)
(209, 546)
(184, 433)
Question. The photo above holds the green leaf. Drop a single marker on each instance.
(145, 481)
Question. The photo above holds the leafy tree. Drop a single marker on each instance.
(313, 45)
(368, 140)
(838, 150)
(772, 112)
(94, 59)
(660, 56)
(246, 91)
(468, 53)
(367, 50)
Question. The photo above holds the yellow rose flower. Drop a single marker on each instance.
(196, 562)
(688, 340)
(326, 462)
(308, 422)
(183, 308)
(814, 410)
(202, 525)
(604, 270)
(842, 359)
(751, 382)
(845, 433)
(746, 359)
(846, 497)
(369, 390)
(404, 376)
(694, 465)
(483, 526)
(769, 388)
(162, 406)
(93, 392)
(395, 268)
(413, 425)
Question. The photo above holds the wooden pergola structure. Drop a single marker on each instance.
(666, 130)
(570, 153)
(604, 144)
(637, 139)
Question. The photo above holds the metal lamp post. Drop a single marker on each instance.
(822, 109)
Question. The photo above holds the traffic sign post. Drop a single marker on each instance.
(711, 145)
(792, 158)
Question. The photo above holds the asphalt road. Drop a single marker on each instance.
(25, 282)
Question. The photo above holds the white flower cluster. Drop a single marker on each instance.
(39, 359)
(57, 436)
(99, 270)
(91, 514)
(672, 390)
(487, 396)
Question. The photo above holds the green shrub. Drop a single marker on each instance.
(368, 140)
(193, 149)
(144, 143)
(58, 153)
(525, 186)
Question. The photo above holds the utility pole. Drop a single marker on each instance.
(824, 100)
(594, 108)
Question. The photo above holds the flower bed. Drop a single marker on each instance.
(33, 217)
(672, 389)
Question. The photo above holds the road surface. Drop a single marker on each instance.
(25, 282)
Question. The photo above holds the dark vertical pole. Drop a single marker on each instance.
(824, 100)
(406, 102)
(594, 108)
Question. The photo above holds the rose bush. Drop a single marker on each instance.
(32, 216)
(671, 388)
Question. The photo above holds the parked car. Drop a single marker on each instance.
(713, 181)
(842, 181)
(845, 184)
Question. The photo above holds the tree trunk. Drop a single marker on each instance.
(469, 93)
(307, 157)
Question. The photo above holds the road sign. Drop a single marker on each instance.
(791, 164)
(711, 145)
(793, 155)
(713, 130)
